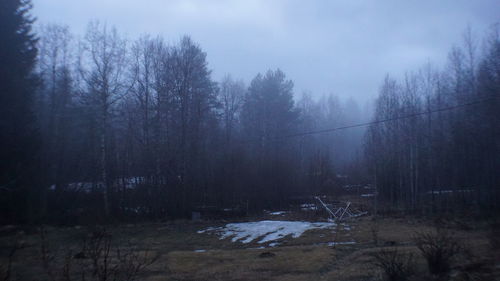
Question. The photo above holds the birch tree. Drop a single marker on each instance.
(102, 66)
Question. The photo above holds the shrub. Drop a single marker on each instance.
(99, 260)
(6, 270)
(395, 265)
(438, 248)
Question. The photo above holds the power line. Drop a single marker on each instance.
(381, 121)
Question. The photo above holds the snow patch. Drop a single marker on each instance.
(368, 195)
(341, 243)
(208, 229)
(267, 231)
(308, 207)
(450, 191)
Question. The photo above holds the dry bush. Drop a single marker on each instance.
(396, 266)
(6, 270)
(438, 248)
(120, 263)
(56, 263)
(99, 260)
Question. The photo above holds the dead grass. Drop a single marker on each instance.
(305, 258)
(246, 264)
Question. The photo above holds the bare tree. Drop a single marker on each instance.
(231, 96)
(102, 66)
(55, 68)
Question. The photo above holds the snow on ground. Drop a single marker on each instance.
(278, 213)
(368, 195)
(308, 207)
(87, 187)
(341, 243)
(267, 231)
(450, 191)
(345, 226)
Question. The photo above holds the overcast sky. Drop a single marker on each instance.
(342, 47)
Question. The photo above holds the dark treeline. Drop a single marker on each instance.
(19, 141)
(140, 128)
(101, 127)
(453, 153)
(144, 124)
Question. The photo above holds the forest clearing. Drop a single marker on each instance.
(188, 140)
(222, 250)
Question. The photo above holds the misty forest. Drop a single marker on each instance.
(126, 158)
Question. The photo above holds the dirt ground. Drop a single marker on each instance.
(181, 253)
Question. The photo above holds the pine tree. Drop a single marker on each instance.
(18, 137)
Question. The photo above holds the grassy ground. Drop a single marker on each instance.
(174, 247)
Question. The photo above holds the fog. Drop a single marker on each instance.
(340, 47)
(249, 140)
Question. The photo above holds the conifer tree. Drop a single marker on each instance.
(18, 137)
